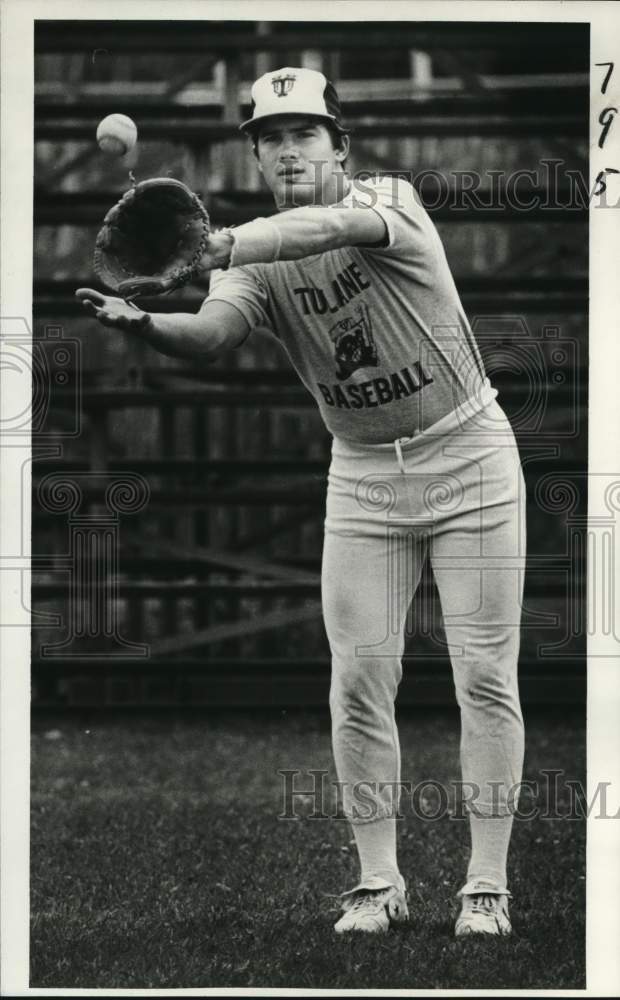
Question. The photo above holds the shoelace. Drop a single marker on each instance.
(362, 900)
(483, 903)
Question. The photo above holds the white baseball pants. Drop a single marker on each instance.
(456, 495)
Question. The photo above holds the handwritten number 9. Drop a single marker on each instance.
(606, 118)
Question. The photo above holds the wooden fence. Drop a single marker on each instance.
(178, 512)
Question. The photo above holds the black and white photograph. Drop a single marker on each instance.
(310, 497)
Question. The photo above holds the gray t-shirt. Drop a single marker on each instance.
(377, 334)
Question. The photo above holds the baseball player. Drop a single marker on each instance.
(353, 280)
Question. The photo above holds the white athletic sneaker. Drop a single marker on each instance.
(484, 910)
(372, 907)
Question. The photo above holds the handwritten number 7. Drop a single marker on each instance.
(607, 75)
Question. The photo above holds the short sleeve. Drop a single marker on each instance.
(242, 288)
(410, 231)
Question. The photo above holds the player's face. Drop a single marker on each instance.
(299, 163)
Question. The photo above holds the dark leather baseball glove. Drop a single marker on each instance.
(152, 240)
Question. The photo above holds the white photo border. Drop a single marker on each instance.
(603, 711)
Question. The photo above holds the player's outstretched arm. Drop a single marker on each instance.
(203, 336)
(297, 233)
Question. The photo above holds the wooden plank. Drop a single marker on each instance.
(186, 378)
(228, 560)
(170, 502)
(194, 128)
(309, 494)
(182, 588)
(263, 60)
(557, 667)
(111, 398)
(200, 522)
(209, 36)
(210, 96)
(236, 629)
(260, 589)
(233, 685)
(84, 208)
(241, 693)
(221, 468)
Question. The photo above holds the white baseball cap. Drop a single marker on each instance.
(294, 90)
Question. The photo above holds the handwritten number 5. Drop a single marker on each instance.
(601, 183)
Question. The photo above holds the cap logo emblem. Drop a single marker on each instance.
(282, 85)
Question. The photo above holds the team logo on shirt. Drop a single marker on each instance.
(353, 342)
(282, 85)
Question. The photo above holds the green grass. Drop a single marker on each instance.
(158, 860)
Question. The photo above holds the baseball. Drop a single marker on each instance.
(116, 135)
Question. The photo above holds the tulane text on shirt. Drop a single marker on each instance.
(377, 391)
(349, 282)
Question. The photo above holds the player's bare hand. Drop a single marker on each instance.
(112, 311)
(217, 252)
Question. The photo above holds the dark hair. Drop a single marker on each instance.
(332, 103)
(336, 133)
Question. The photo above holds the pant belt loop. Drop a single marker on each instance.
(399, 455)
